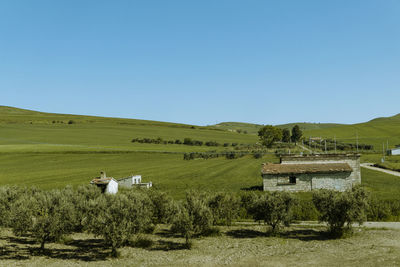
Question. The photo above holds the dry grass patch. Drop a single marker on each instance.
(241, 245)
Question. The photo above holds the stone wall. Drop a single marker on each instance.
(307, 182)
(352, 160)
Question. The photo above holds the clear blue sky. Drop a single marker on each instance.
(203, 62)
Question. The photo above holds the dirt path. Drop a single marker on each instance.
(370, 225)
(305, 148)
(371, 167)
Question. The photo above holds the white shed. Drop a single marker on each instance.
(108, 185)
(394, 151)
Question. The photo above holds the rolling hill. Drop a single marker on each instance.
(54, 150)
(375, 132)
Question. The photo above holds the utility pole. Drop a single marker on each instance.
(335, 144)
(383, 152)
(357, 140)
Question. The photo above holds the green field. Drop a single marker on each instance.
(37, 149)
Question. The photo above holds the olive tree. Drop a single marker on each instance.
(274, 208)
(45, 215)
(117, 217)
(224, 207)
(8, 196)
(341, 209)
(193, 217)
(79, 199)
(162, 206)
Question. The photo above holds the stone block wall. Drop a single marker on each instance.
(352, 160)
(307, 182)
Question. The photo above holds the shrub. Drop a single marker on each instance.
(304, 210)
(71, 122)
(340, 209)
(257, 155)
(187, 141)
(274, 208)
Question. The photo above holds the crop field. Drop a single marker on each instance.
(238, 245)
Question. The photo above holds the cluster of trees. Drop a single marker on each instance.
(186, 141)
(331, 144)
(228, 155)
(46, 216)
(69, 122)
(270, 134)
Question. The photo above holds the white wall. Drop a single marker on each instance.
(112, 187)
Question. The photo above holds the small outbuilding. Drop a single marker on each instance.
(108, 185)
(394, 151)
(305, 173)
(134, 180)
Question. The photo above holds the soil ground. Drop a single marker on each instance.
(239, 245)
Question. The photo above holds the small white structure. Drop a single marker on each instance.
(108, 185)
(134, 180)
(394, 151)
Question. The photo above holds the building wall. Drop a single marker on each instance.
(352, 160)
(129, 181)
(308, 182)
(395, 151)
(112, 187)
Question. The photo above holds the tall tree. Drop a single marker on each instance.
(296, 134)
(286, 135)
(270, 134)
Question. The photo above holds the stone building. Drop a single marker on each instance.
(132, 181)
(305, 173)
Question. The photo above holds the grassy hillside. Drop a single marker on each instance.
(42, 149)
(375, 132)
(251, 128)
(23, 130)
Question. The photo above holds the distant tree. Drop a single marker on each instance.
(296, 134)
(269, 134)
(187, 141)
(273, 208)
(286, 135)
(341, 209)
(71, 122)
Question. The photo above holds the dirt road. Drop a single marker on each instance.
(371, 167)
